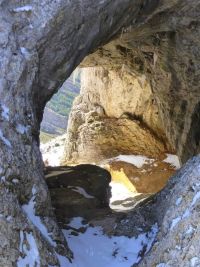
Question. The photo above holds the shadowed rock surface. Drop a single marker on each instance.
(78, 191)
(41, 43)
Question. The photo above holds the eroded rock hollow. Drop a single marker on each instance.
(145, 56)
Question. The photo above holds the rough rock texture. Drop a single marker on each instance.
(40, 45)
(158, 62)
(41, 42)
(150, 178)
(114, 114)
(78, 191)
(178, 217)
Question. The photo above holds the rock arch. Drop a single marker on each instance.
(41, 43)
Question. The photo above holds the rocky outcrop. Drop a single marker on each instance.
(114, 114)
(78, 191)
(41, 43)
(178, 217)
(150, 72)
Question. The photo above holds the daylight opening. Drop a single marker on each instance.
(105, 154)
(54, 125)
(106, 125)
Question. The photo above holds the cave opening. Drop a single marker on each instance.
(55, 120)
(153, 45)
(114, 160)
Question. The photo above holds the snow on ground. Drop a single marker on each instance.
(136, 160)
(121, 195)
(173, 160)
(93, 248)
(81, 191)
(28, 247)
(52, 151)
(29, 209)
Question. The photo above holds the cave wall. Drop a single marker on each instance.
(163, 52)
(41, 43)
(114, 114)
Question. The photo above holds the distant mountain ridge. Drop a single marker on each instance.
(56, 113)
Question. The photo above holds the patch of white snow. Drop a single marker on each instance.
(93, 246)
(32, 257)
(29, 209)
(178, 201)
(195, 198)
(81, 191)
(5, 112)
(175, 222)
(136, 160)
(26, 8)
(21, 128)
(25, 52)
(194, 262)
(6, 141)
(173, 160)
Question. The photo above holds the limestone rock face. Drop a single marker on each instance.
(41, 42)
(114, 114)
(158, 62)
(178, 217)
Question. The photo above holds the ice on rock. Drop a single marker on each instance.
(5, 112)
(26, 8)
(29, 209)
(31, 252)
(21, 128)
(5, 140)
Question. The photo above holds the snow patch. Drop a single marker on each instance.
(26, 8)
(81, 191)
(136, 160)
(3, 179)
(194, 261)
(29, 209)
(9, 218)
(76, 222)
(31, 252)
(5, 112)
(120, 193)
(21, 128)
(190, 230)
(175, 222)
(25, 52)
(178, 201)
(64, 262)
(15, 181)
(93, 246)
(6, 141)
(52, 153)
(195, 198)
(173, 160)
(187, 212)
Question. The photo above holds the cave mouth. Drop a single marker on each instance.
(120, 136)
(115, 124)
(55, 120)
